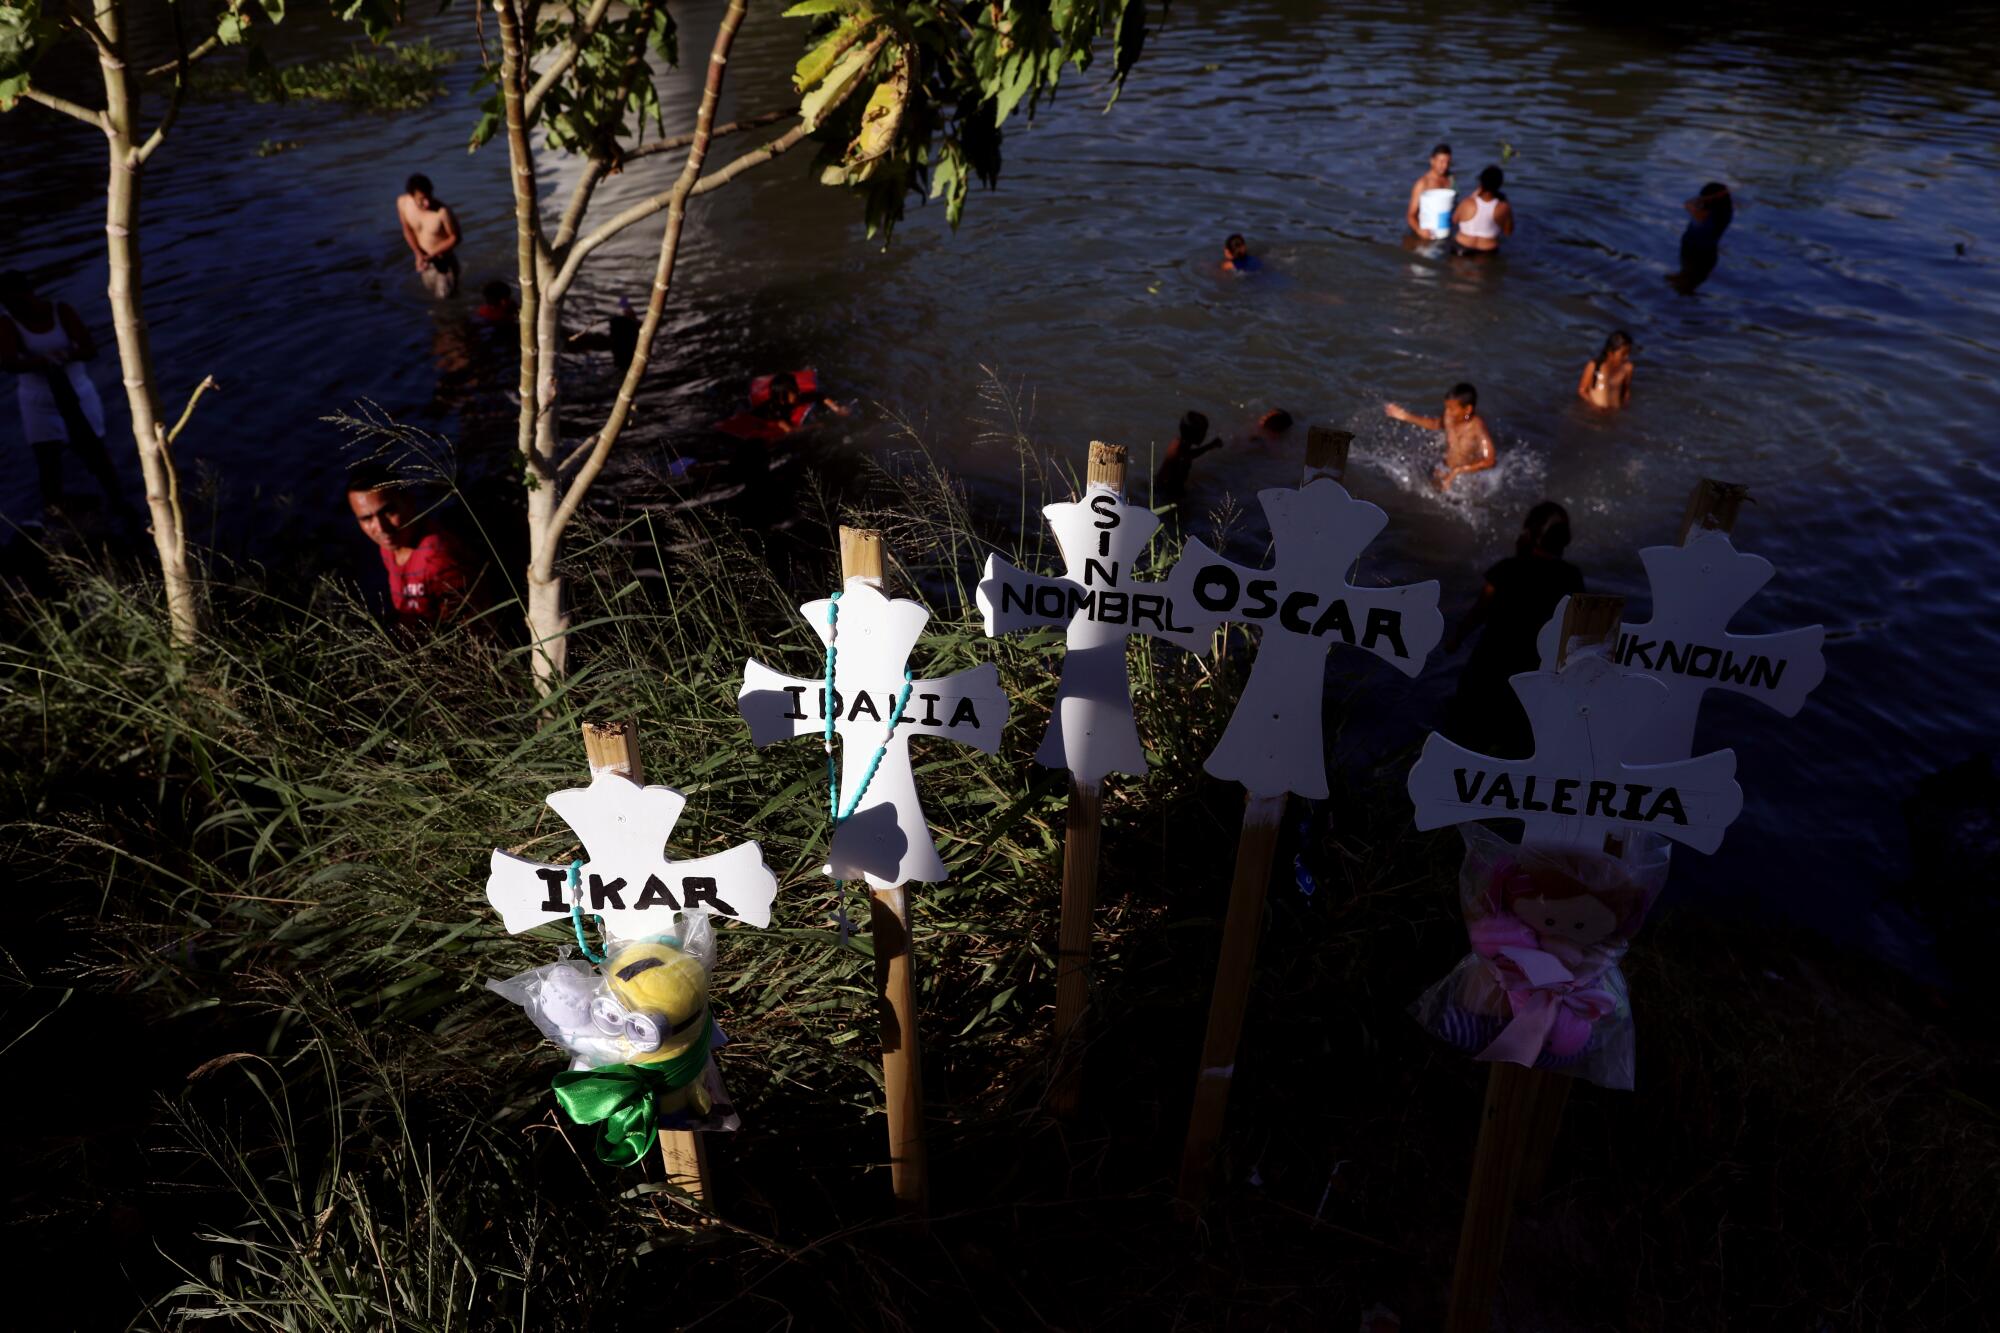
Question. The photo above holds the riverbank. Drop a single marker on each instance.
(254, 936)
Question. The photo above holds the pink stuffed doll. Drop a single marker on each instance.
(1555, 923)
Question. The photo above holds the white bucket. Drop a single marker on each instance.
(1434, 212)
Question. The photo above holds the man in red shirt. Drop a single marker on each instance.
(430, 578)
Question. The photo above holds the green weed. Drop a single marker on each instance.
(391, 77)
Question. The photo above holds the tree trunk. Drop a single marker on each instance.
(135, 353)
(544, 284)
(548, 616)
(536, 436)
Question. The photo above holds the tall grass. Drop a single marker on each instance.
(268, 856)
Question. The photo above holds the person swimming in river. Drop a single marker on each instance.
(1436, 177)
(781, 405)
(497, 305)
(1468, 444)
(1607, 377)
(1519, 595)
(1170, 482)
(1484, 216)
(1709, 215)
(1236, 256)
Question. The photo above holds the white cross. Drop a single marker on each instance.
(1687, 646)
(886, 840)
(1579, 787)
(1091, 731)
(1274, 742)
(625, 878)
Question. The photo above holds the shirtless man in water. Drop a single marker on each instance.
(1438, 177)
(1468, 444)
(432, 235)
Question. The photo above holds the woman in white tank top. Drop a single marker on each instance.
(1484, 216)
(45, 344)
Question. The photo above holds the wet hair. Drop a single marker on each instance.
(1236, 243)
(1719, 202)
(1194, 426)
(418, 182)
(1546, 528)
(1619, 338)
(1276, 419)
(1463, 393)
(370, 474)
(1491, 179)
(1444, 148)
(496, 292)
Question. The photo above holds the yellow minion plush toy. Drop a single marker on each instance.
(663, 992)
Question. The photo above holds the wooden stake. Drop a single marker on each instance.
(1105, 466)
(615, 746)
(1590, 620)
(1079, 907)
(861, 556)
(1511, 1094)
(1713, 504)
(1544, 1128)
(1231, 998)
(1326, 453)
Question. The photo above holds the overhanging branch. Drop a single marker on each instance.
(652, 204)
(74, 110)
(566, 57)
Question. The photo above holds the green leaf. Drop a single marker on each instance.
(829, 51)
(274, 10)
(231, 27)
(851, 67)
(1017, 76)
(378, 18)
(24, 35)
(810, 8)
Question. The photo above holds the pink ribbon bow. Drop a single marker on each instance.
(1553, 1011)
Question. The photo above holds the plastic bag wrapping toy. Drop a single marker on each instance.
(640, 1037)
(1548, 925)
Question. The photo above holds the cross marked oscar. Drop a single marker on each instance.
(1306, 605)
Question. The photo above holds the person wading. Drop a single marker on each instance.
(431, 231)
(45, 344)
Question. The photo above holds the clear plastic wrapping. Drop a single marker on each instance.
(646, 1005)
(1542, 986)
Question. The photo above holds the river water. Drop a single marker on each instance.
(1837, 362)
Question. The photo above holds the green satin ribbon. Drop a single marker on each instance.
(625, 1100)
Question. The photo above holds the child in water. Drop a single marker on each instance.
(1709, 215)
(1468, 444)
(1607, 379)
(1170, 482)
(1236, 256)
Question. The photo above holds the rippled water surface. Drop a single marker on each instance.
(1839, 362)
